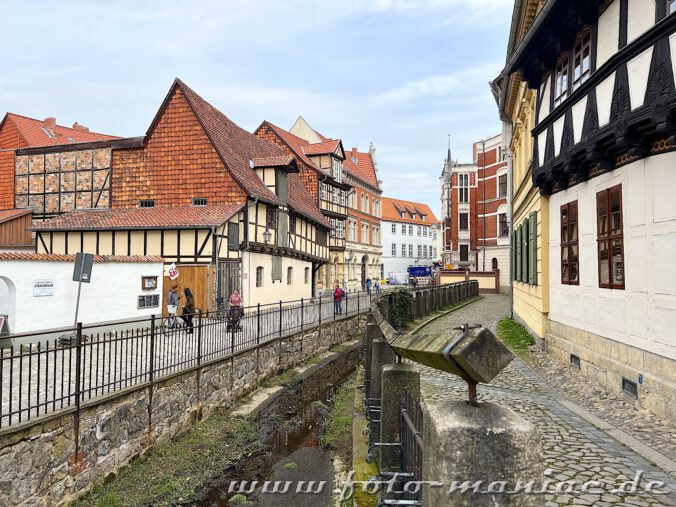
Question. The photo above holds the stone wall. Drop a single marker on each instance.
(38, 461)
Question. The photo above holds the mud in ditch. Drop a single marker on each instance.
(290, 431)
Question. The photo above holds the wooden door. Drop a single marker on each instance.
(198, 278)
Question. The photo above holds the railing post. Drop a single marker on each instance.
(320, 309)
(78, 390)
(281, 311)
(151, 366)
(358, 301)
(199, 338)
(258, 324)
(301, 315)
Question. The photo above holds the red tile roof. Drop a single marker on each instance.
(321, 148)
(182, 217)
(35, 134)
(279, 161)
(235, 145)
(295, 143)
(11, 214)
(10, 256)
(392, 212)
(363, 168)
(302, 202)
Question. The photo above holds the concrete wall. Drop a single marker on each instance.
(38, 465)
(111, 295)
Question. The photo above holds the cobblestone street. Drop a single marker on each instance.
(584, 428)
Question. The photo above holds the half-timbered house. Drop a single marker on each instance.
(604, 152)
(225, 206)
(320, 162)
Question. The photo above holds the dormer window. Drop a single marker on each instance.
(561, 80)
(336, 169)
(582, 58)
(199, 201)
(424, 218)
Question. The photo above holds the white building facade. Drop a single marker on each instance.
(410, 236)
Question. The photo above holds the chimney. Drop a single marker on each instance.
(81, 128)
(354, 155)
(50, 123)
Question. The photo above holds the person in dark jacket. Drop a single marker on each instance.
(188, 309)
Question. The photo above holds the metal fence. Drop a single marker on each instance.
(94, 360)
(411, 427)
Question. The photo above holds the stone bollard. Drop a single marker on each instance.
(417, 305)
(489, 443)
(381, 354)
(372, 332)
(396, 380)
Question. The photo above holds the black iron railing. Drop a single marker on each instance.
(88, 361)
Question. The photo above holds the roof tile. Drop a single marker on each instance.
(18, 256)
(35, 134)
(391, 212)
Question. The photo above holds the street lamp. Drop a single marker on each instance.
(267, 235)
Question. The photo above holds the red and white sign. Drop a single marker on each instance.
(172, 271)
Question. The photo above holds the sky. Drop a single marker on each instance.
(401, 74)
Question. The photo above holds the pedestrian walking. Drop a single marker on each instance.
(188, 309)
(377, 286)
(172, 306)
(368, 286)
(338, 299)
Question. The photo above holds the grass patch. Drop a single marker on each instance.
(338, 426)
(174, 471)
(515, 336)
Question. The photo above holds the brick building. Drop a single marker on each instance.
(475, 210)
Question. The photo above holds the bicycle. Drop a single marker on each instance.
(170, 323)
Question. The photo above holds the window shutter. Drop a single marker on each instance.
(532, 248)
(233, 237)
(517, 267)
(276, 268)
(282, 229)
(524, 251)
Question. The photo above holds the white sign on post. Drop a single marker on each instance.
(42, 288)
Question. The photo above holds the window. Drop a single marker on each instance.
(147, 203)
(403, 229)
(336, 166)
(335, 195)
(582, 58)
(259, 276)
(394, 228)
(569, 244)
(464, 221)
(376, 236)
(435, 252)
(340, 229)
(424, 218)
(199, 201)
(420, 251)
(410, 230)
(425, 232)
(394, 249)
(271, 217)
(151, 301)
(494, 264)
(610, 238)
(419, 231)
(463, 188)
(434, 234)
(333, 224)
(289, 276)
(504, 228)
(561, 80)
(410, 250)
(424, 251)
(342, 197)
(403, 250)
(502, 185)
(464, 253)
(307, 276)
(325, 192)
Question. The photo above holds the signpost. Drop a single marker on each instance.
(82, 273)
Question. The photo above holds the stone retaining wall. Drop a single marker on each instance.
(38, 465)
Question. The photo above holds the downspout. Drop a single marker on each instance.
(246, 242)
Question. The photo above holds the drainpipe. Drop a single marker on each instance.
(510, 216)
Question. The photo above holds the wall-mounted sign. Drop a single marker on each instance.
(172, 271)
(148, 282)
(42, 288)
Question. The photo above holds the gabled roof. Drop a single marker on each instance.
(11, 214)
(180, 217)
(35, 134)
(322, 148)
(392, 209)
(279, 161)
(362, 168)
(294, 143)
(234, 145)
(302, 202)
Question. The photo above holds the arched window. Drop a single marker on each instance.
(289, 276)
(259, 276)
(307, 275)
(494, 263)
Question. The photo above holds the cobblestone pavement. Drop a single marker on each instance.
(574, 449)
